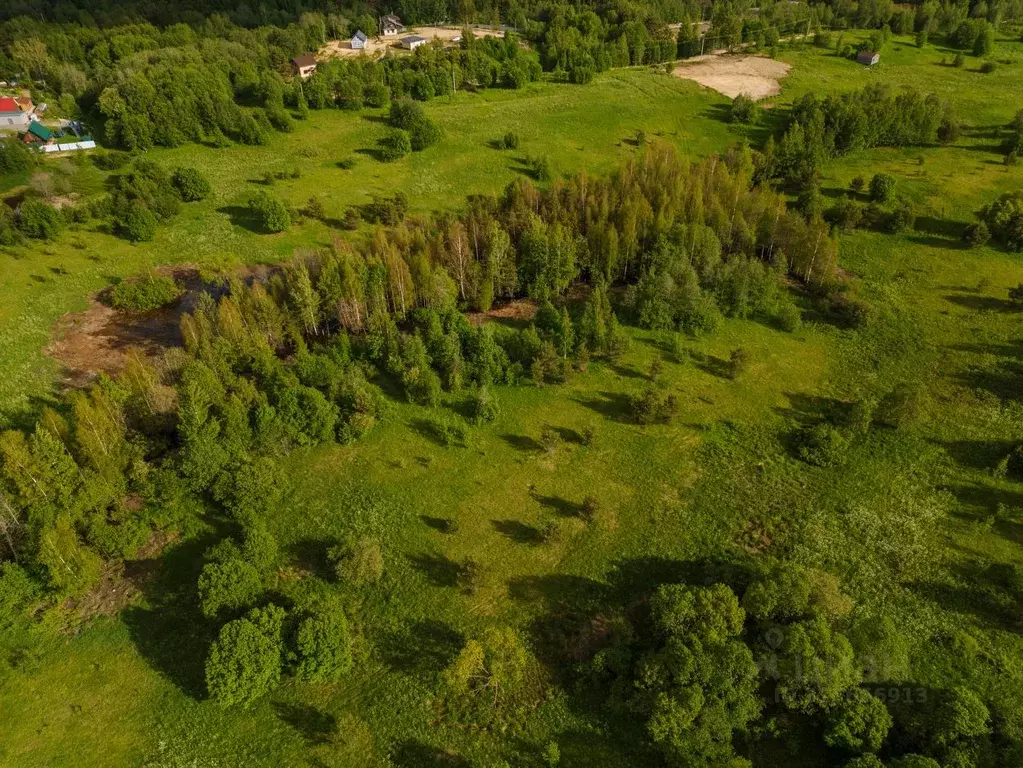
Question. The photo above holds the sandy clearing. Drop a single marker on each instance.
(756, 76)
(377, 45)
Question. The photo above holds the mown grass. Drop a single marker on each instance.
(912, 521)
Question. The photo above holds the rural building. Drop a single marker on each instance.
(359, 40)
(11, 114)
(25, 103)
(412, 42)
(38, 133)
(303, 65)
(870, 58)
(390, 25)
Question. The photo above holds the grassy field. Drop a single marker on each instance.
(913, 523)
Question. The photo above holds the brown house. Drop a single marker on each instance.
(304, 65)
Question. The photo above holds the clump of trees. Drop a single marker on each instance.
(1003, 219)
(145, 293)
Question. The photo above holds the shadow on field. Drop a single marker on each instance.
(315, 726)
(715, 366)
(518, 532)
(979, 303)
(440, 524)
(986, 591)
(439, 570)
(415, 754)
(426, 647)
(523, 443)
(171, 634)
(561, 506)
(311, 554)
(977, 454)
(242, 216)
(614, 405)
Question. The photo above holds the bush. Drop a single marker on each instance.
(743, 110)
(138, 223)
(902, 407)
(857, 184)
(17, 592)
(245, 660)
(509, 141)
(273, 214)
(425, 133)
(822, 445)
(788, 317)
(483, 406)
(882, 187)
(229, 585)
(15, 156)
(190, 184)
(739, 362)
(472, 575)
(1004, 220)
(359, 563)
(977, 235)
(902, 219)
(1011, 158)
(405, 113)
(541, 169)
(959, 61)
(988, 67)
(324, 646)
(144, 293)
(40, 220)
(395, 145)
(654, 406)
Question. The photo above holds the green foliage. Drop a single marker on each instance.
(822, 445)
(15, 156)
(494, 677)
(245, 660)
(484, 406)
(144, 293)
(359, 563)
(743, 110)
(509, 141)
(272, 213)
(229, 585)
(40, 220)
(882, 187)
(324, 647)
(395, 145)
(18, 591)
(859, 723)
(138, 223)
(1004, 220)
(815, 666)
(190, 184)
(654, 406)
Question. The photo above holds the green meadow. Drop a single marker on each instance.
(912, 524)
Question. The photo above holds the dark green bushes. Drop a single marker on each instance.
(144, 293)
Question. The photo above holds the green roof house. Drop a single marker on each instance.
(38, 133)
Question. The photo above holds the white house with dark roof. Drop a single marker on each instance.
(304, 65)
(868, 58)
(412, 42)
(390, 25)
(359, 40)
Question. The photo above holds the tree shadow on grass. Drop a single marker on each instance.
(440, 524)
(560, 506)
(311, 554)
(978, 454)
(244, 217)
(984, 591)
(626, 372)
(714, 366)
(440, 570)
(980, 303)
(415, 754)
(616, 406)
(518, 532)
(171, 633)
(426, 647)
(523, 443)
(315, 725)
(372, 152)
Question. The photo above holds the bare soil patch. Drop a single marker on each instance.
(99, 339)
(515, 311)
(756, 76)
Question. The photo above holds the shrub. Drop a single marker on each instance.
(902, 219)
(541, 169)
(423, 134)
(857, 184)
(15, 156)
(739, 362)
(959, 61)
(395, 145)
(245, 660)
(988, 67)
(822, 445)
(138, 223)
(1004, 219)
(551, 532)
(229, 585)
(509, 141)
(788, 317)
(1011, 158)
(483, 406)
(190, 184)
(405, 113)
(743, 110)
(654, 406)
(17, 592)
(902, 407)
(472, 575)
(273, 214)
(324, 646)
(921, 38)
(977, 235)
(859, 723)
(40, 220)
(359, 563)
(882, 187)
(144, 293)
